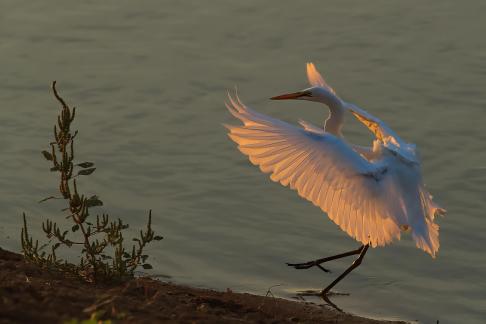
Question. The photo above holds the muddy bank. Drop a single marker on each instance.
(31, 295)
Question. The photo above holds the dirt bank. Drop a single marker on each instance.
(31, 295)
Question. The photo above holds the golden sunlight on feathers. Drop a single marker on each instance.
(372, 198)
(299, 159)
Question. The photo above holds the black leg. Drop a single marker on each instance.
(355, 264)
(317, 263)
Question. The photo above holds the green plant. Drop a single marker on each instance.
(96, 237)
(93, 319)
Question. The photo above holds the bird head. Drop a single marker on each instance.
(314, 93)
(319, 90)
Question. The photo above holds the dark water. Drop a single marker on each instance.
(149, 78)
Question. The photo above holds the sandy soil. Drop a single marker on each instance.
(31, 295)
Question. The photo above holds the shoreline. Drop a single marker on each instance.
(29, 294)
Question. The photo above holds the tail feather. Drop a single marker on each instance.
(427, 237)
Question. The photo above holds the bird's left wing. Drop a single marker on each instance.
(322, 168)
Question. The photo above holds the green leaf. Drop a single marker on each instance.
(51, 197)
(158, 238)
(54, 168)
(86, 171)
(85, 164)
(94, 201)
(75, 228)
(43, 246)
(47, 155)
(147, 266)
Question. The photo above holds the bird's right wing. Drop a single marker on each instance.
(384, 133)
(375, 125)
(323, 169)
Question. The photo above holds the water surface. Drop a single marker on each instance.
(150, 79)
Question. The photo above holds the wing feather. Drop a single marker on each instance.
(321, 167)
(316, 79)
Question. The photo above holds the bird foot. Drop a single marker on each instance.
(307, 265)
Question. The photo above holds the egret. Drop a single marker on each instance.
(372, 193)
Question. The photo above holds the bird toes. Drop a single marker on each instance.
(305, 265)
(323, 269)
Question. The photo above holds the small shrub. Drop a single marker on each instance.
(96, 237)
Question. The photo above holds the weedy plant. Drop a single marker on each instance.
(96, 237)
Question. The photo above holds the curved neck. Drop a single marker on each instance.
(334, 123)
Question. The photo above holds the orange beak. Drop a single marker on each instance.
(294, 95)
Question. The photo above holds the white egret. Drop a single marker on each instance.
(372, 193)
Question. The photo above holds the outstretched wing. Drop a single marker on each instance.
(375, 125)
(323, 169)
(384, 133)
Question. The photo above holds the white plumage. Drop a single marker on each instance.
(373, 193)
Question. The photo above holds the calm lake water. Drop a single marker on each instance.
(150, 79)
